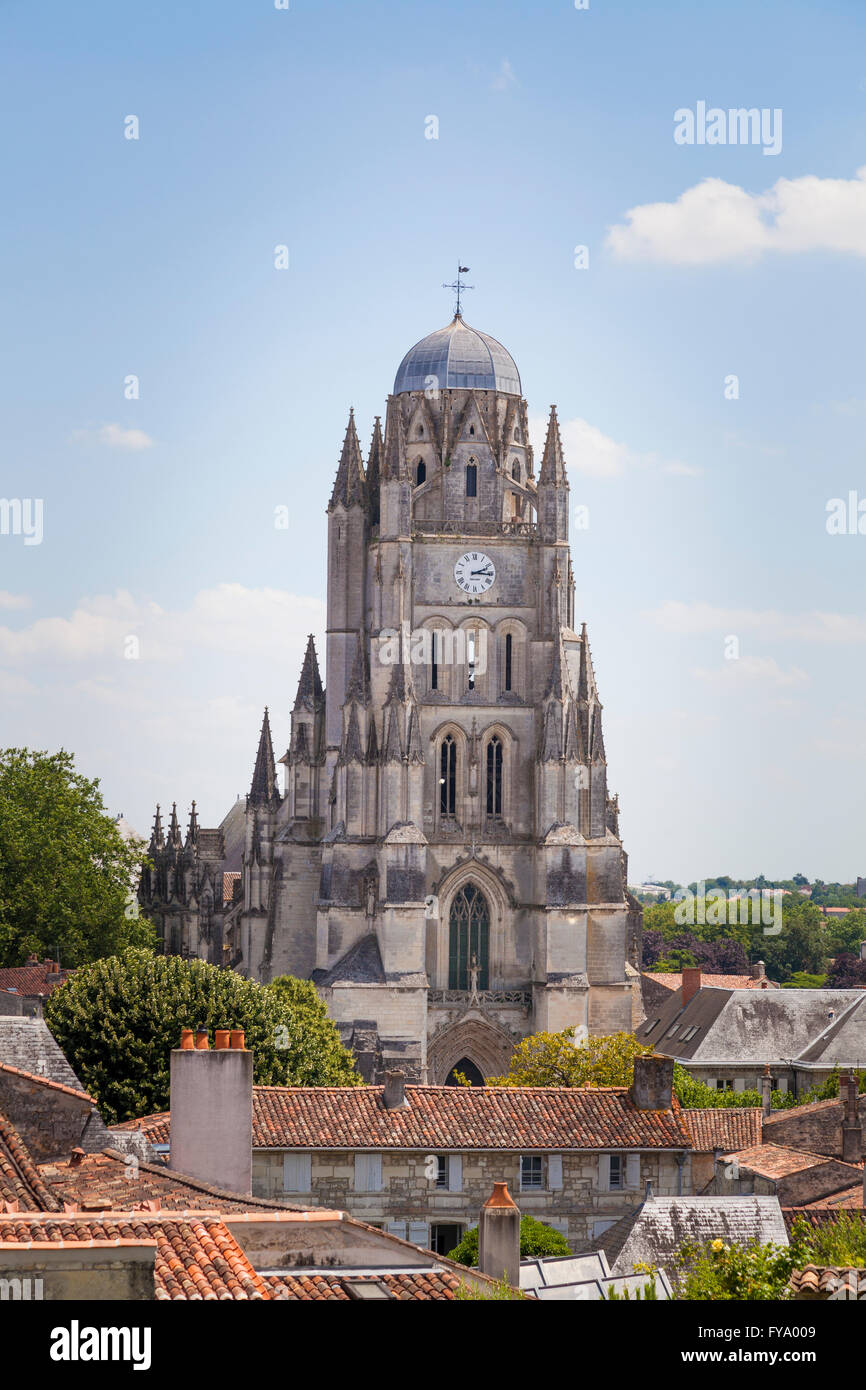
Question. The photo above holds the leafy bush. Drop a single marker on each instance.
(118, 1019)
(536, 1239)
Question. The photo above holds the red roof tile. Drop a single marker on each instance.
(452, 1117)
(32, 979)
(196, 1256)
(21, 1186)
(673, 980)
(46, 1081)
(419, 1286)
(728, 1128)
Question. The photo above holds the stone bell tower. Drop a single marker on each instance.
(445, 860)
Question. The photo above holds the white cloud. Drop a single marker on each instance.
(228, 619)
(752, 670)
(715, 221)
(591, 452)
(692, 619)
(115, 437)
(9, 601)
(504, 78)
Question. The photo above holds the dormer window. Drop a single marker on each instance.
(420, 472)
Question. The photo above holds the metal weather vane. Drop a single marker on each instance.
(459, 286)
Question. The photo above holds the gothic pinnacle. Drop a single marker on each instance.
(263, 791)
(553, 462)
(310, 693)
(349, 484)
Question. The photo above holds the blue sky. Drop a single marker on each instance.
(306, 128)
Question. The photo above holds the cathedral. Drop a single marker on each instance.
(441, 855)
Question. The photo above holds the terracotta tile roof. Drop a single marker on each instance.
(46, 1081)
(728, 1128)
(196, 1256)
(453, 1117)
(817, 1281)
(849, 1199)
(418, 1286)
(774, 1161)
(21, 1186)
(230, 878)
(673, 980)
(112, 1181)
(32, 979)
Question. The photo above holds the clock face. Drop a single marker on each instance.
(474, 572)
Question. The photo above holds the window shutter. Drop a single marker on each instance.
(455, 1173)
(396, 1228)
(739, 1083)
(418, 1234)
(604, 1172)
(632, 1170)
(297, 1176)
(368, 1172)
(711, 1082)
(554, 1172)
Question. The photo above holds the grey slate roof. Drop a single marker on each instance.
(459, 357)
(27, 1043)
(361, 965)
(654, 1232)
(749, 1025)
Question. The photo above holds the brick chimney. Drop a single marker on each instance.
(212, 1112)
(394, 1094)
(691, 982)
(499, 1237)
(852, 1129)
(652, 1086)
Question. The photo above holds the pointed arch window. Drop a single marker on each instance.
(517, 434)
(469, 940)
(420, 431)
(434, 660)
(515, 471)
(509, 661)
(448, 777)
(472, 431)
(494, 776)
(471, 479)
(420, 472)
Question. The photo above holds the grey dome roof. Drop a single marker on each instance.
(459, 357)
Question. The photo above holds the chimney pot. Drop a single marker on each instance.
(221, 1038)
(236, 1039)
(691, 982)
(76, 1157)
(499, 1237)
(186, 1039)
(759, 970)
(394, 1094)
(201, 1040)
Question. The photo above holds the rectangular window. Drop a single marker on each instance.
(617, 1176)
(471, 480)
(444, 1236)
(449, 1172)
(531, 1173)
(722, 1084)
(368, 1172)
(508, 645)
(442, 1172)
(297, 1172)
(434, 662)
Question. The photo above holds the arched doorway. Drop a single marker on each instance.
(469, 940)
(466, 1068)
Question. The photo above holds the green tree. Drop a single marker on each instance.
(553, 1059)
(536, 1239)
(66, 875)
(721, 1273)
(118, 1019)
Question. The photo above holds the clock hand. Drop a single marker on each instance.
(485, 571)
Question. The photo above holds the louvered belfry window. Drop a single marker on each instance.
(469, 938)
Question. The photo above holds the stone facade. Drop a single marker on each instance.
(444, 859)
(575, 1196)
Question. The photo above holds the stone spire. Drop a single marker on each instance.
(559, 685)
(349, 485)
(157, 838)
(263, 791)
(192, 828)
(310, 693)
(175, 839)
(358, 688)
(352, 750)
(553, 462)
(394, 449)
(597, 745)
(374, 470)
